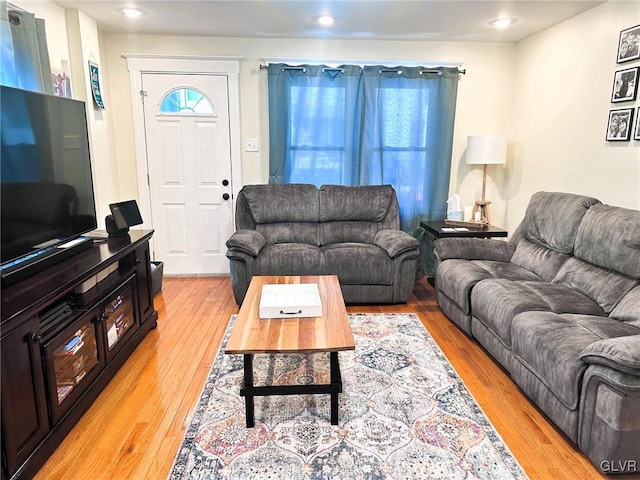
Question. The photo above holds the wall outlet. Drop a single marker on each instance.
(251, 145)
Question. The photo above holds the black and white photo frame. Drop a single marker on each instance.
(625, 85)
(636, 131)
(629, 45)
(619, 125)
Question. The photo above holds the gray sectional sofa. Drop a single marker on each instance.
(558, 306)
(299, 229)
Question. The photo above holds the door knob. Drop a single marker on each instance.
(225, 182)
(225, 196)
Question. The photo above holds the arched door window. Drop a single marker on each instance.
(186, 101)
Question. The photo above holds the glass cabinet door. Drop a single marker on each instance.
(119, 317)
(77, 355)
(73, 360)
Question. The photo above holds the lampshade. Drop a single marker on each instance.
(486, 149)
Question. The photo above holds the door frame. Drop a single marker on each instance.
(139, 64)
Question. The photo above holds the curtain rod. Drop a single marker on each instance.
(382, 70)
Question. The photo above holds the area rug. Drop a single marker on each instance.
(404, 414)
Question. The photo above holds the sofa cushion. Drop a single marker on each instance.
(549, 346)
(368, 203)
(340, 232)
(356, 213)
(290, 259)
(552, 219)
(456, 277)
(610, 237)
(358, 263)
(628, 310)
(543, 261)
(473, 249)
(496, 302)
(605, 287)
(289, 232)
(282, 203)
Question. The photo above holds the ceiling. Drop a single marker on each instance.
(445, 20)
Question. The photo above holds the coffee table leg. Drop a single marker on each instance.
(336, 385)
(248, 385)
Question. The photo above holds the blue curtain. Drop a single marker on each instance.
(23, 51)
(315, 120)
(365, 126)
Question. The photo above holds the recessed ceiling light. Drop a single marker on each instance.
(324, 19)
(502, 22)
(132, 12)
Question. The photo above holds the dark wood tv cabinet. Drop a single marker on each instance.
(64, 333)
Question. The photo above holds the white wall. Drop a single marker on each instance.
(561, 101)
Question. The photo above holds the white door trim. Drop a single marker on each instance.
(138, 64)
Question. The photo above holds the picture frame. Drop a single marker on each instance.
(629, 45)
(619, 125)
(625, 85)
(636, 134)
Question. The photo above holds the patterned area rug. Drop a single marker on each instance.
(404, 414)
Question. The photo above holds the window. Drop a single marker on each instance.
(365, 126)
(186, 101)
(317, 148)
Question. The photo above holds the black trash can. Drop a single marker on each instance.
(156, 277)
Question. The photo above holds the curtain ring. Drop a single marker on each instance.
(337, 70)
(14, 19)
(438, 72)
(389, 70)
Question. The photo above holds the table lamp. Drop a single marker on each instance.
(485, 150)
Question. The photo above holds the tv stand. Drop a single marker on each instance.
(65, 332)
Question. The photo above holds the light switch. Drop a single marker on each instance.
(251, 145)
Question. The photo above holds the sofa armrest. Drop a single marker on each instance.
(620, 353)
(246, 241)
(395, 242)
(473, 249)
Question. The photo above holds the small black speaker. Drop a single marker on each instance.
(112, 228)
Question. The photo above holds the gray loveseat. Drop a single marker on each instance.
(299, 229)
(558, 306)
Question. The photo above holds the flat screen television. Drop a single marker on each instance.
(46, 187)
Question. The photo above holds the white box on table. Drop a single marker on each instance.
(290, 300)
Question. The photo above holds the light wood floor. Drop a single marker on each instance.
(134, 429)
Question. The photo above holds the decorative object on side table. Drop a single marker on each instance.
(470, 223)
(485, 150)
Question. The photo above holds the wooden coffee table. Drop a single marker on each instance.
(328, 333)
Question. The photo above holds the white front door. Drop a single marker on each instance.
(187, 134)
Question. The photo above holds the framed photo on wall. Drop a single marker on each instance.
(629, 46)
(620, 125)
(636, 132)
(625, 85)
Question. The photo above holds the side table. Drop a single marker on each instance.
(435, 230)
